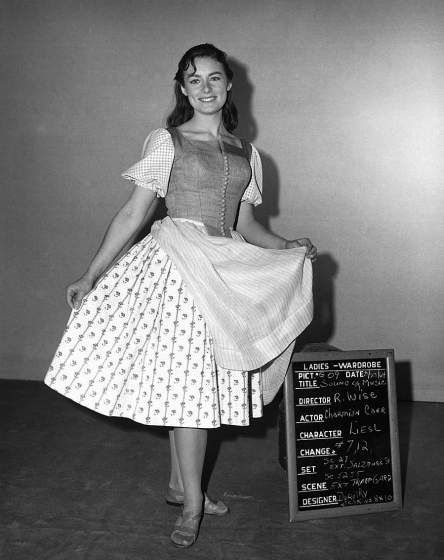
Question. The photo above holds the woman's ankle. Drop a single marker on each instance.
(193, 505)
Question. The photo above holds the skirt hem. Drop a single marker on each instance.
(157, 424)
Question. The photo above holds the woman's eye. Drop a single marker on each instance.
(194, 81)
(216, 78)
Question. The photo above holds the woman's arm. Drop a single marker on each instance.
(257, 234)
(123, 227)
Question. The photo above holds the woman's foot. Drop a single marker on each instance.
(175, 498)
(186, 529)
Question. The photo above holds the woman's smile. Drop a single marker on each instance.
(207, 99)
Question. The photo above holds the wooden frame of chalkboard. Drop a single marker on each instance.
(342, 434)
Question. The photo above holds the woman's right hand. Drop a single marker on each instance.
(76, 291)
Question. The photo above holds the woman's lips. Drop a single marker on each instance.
(207, 99)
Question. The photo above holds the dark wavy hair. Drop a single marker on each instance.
(183, 111)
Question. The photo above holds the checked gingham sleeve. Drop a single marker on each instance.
(153, 170)
(253, 193)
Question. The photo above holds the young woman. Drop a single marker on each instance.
(194, 325)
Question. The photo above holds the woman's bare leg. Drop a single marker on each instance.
(175, 476)
(176, 484)
(190, 446)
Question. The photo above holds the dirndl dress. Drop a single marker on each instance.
(156, 340)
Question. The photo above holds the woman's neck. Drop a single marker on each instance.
(209, 124)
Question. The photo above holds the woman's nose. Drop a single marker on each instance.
(207, 86)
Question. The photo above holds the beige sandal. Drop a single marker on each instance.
(186, 529)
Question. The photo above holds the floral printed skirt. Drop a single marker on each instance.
(138, 347)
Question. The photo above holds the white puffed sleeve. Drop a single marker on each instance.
(153, 170)
(253, 193)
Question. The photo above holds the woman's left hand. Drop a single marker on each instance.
(311, 251)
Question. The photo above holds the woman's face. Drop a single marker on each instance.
(207, 86)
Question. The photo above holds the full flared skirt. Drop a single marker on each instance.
(139, 347)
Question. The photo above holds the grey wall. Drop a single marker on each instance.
(343, 98)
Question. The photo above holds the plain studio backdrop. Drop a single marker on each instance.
(344, 100)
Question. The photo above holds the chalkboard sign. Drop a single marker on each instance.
(341, 434)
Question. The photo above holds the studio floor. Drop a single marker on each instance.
(79, 486)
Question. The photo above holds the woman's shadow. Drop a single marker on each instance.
(325, 268)
(322, 327)
(243, 91)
